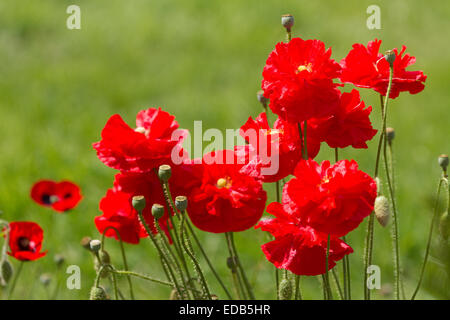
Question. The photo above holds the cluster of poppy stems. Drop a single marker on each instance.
(319, 204)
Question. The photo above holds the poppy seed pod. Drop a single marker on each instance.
(382, 211)
(443, 161)
(390, 134)
(157, 211)
(390, 57)
(98, 293)
(287, 21)
(263, 100)
(59, 259)
(444, 225)
(165, 172)
(6, 272)
(138, 203)
(286, 289)
(85, 243)
(95, 245)
(181, 203)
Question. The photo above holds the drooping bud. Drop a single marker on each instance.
(86, 243)
(95, 245)
(390, 57)
(444, 226)
(181, 203)
(138, 203)
(6, 272)
(165, 172)
(104, 257)
(287, 21)
(45, 279)
(443, 162)
(157, 211)
(263, 100)
(285, 290)
(59, 259)
(390, 135)
(98, 293)
(382, 210)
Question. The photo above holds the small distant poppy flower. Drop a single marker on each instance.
(281, 144)
(141, 149)
(298, 80)
(226, 199)
(60, 196)
(349, 126)
(25, 240)
(366, 67)
(332, 199)
(297, 247)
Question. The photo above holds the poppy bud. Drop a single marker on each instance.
(157, 211)
(164, 172)
(382, 211)
(95, 245)
(59, 259)
(104, 257)
(98, 265)
(444, 225)
(390, 57)
(138, 203)
(390, 135)
(6, 272)
(214, 297)
(181, 203)
(231, 264)
(98, 293)
(45, 279)
(287, 21)
(285, 290)
(263, 100)
(85, 243)
(443, 161)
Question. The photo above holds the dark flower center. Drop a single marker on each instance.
(24, 244)
(46, 199)
(67, 196)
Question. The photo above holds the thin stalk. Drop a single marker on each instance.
(241, 269)
(430, 233)
(13, 284)
(237, 284)
(305, 140)
(347, 282)
(327, 278)
(298, 292)
(338, 286)
(277, 272)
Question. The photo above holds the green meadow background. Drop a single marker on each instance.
(200, 60)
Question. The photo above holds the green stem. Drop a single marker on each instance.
(430, 233)
(327, 278)
(277, 272)
(241, 269)
(338, 286)
(298, 293)
(13, 284)
(305, 140)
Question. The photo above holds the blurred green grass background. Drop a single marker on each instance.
(200, 60)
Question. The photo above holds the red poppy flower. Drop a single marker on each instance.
(297, 247)
(367, 68)
(331, 199)
(61, 196)
(226, 199)
(272, 154)
(25, 241)
(349, 126)
(298, 80)
(144, 148)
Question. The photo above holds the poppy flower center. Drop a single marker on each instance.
(142, 130)
(303, 67)
(24, 244)
(48, 199)
(224, 183)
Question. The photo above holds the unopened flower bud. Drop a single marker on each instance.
(86, 243)
(382, 210)
(214, 297)
(443, 161)
(98, 293)
(157, 211)
(59, 259)
(444, 225)
(287, 21)
(285, 290)
(104, 257)
(138, 203)
(95, 245)
(181, 203)
(231, 264)
(6, 272)
(390, 57)
(390, 134)
(45, 279)
(164, 172)
(263, 100)
(98, 266)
